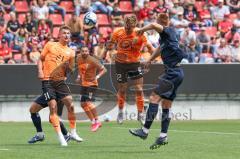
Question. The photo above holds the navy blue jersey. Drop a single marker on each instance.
(170, 52)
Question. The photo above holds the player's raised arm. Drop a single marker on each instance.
(152, 26)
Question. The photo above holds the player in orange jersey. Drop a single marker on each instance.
(89, 71)
(127, 60)
(55, 61)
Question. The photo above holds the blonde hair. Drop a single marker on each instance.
(132, 19)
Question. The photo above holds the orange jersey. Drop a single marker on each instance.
(128, 46)
(87, 69)
(54, 56)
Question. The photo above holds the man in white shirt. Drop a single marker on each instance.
(219, 11)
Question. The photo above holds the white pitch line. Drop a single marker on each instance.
(189, 131)
(4, 149)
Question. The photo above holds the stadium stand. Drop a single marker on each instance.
(124, 7)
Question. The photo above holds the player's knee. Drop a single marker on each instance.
(33, 108)
(154, 98)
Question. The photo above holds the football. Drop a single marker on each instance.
(106, 118)
(90, 19)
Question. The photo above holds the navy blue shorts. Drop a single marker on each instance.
(169, 83)
(41, 100)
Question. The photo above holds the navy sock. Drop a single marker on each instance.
(36, 119)
(63, 129)
(165, 120)
(151, 114)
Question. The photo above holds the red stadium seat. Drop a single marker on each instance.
(211, 31)
(56, 19)
(6, 17)
(102, 19)
(199, 5)
(68, 17)
(68, 5)
(55, 32)
(125, 6)
(153, 4)
(21, 18)
(105, 30)
(21, 6)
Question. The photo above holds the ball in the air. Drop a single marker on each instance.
(90, 18)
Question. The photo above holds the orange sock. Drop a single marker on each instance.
(93, 111)
(72, 118)
(140, 101)
(86, 108)
(54, 119)
(121, 100)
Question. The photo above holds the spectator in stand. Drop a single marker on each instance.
(20, 42)
(138, 4)
(205, 16)
(225, 25)
(235, 51)
(8, 5)
(5, 51)
(176, 9)
(116, 17)
(203, 40)
(153, 38)
(213, 3)
(41, 11)
(100, 6)
(194, 25)
(34, 54)
(43, 31)
(189, 13)
(2, 19)
(150, 19)
(232, 36)
(192, 52)
(100, 50)
(2, 31)
(213, 45)
(234, 5)
(29, 24)
(219, 11)
(81, 6)
(33, 39)
(76, 27)
(236, 22)
(144, 13)
(110, 4)
(1, 61)
(161, 8)
(12, 28)
(206, 57)
(54, 6)
(223, 52)
(187, 36)
(179, 23)
(110, 53)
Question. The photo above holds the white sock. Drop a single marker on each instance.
(163, 134)
(93, 121)
(41, 134)
(145, 130)
(73, 131)
(96, 121)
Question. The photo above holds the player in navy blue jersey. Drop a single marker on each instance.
(169, 82)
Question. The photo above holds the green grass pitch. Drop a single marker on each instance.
(187, 140)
